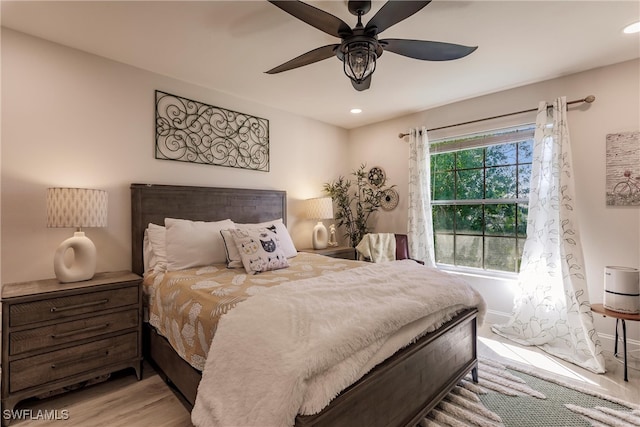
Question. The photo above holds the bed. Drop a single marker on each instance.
(397, 392)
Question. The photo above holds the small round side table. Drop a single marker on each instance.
(620, 318)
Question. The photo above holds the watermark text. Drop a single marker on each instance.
(36, 414)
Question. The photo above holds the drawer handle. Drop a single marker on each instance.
(73, 307)
(79, 331)
(95, 355)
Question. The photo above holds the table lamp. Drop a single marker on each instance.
(76, 207)
(319, 208)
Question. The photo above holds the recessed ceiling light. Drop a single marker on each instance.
(633, 28)
(356, 111)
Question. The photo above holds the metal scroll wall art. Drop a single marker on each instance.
(194, 132)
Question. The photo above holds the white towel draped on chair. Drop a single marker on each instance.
(377, 247)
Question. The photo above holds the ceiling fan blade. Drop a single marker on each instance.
(315, 17)
(427, 50)
(310, 57)
(362, 86)
(393, 12)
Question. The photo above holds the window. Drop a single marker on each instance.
(480, 194)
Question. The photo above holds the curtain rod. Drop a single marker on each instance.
(589, 99)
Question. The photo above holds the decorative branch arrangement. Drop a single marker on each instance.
(190, 131)
(355, 206)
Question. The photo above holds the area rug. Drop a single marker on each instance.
(510, 395)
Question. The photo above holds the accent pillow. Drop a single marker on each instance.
(194, 243)
(156, 251)
(259, 249)
(277, 226)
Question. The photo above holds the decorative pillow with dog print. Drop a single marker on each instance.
(259, 249)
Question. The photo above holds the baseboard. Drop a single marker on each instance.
(496, 317)
(608, 342)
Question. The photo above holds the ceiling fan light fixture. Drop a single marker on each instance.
(360, 47)
(359, 60)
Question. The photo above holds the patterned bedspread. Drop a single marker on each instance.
(185, 306)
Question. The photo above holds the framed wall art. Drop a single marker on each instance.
(623, 169)
(195, 132)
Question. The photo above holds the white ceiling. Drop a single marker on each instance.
(228, 46)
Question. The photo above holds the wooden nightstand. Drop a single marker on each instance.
(345, 252)
(58, 334)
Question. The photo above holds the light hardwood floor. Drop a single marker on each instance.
(119, 402)
(611, 383)
(123, 401)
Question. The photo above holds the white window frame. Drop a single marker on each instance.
(480, 140)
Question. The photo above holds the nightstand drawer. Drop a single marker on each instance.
(44, 368)
(57, 308)
(62, 333)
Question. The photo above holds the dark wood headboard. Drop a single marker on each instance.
(153, 203)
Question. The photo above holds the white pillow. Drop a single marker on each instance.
(259, 249)
(156, 252)
(147, 253)
(277, 226)
(194, 243)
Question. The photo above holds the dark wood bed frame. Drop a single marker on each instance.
(398, 392)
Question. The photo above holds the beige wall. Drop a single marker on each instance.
(74, 119)
(610, 235)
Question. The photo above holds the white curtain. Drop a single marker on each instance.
(552, 309)
(420, 224)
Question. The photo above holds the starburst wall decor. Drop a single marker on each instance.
(194, 132)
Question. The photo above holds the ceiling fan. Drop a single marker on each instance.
(360, 47)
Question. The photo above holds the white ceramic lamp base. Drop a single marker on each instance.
(320, 236)
(83, 266)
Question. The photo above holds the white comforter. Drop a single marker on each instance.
(294, 347)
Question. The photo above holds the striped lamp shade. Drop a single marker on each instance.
(76, 207)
